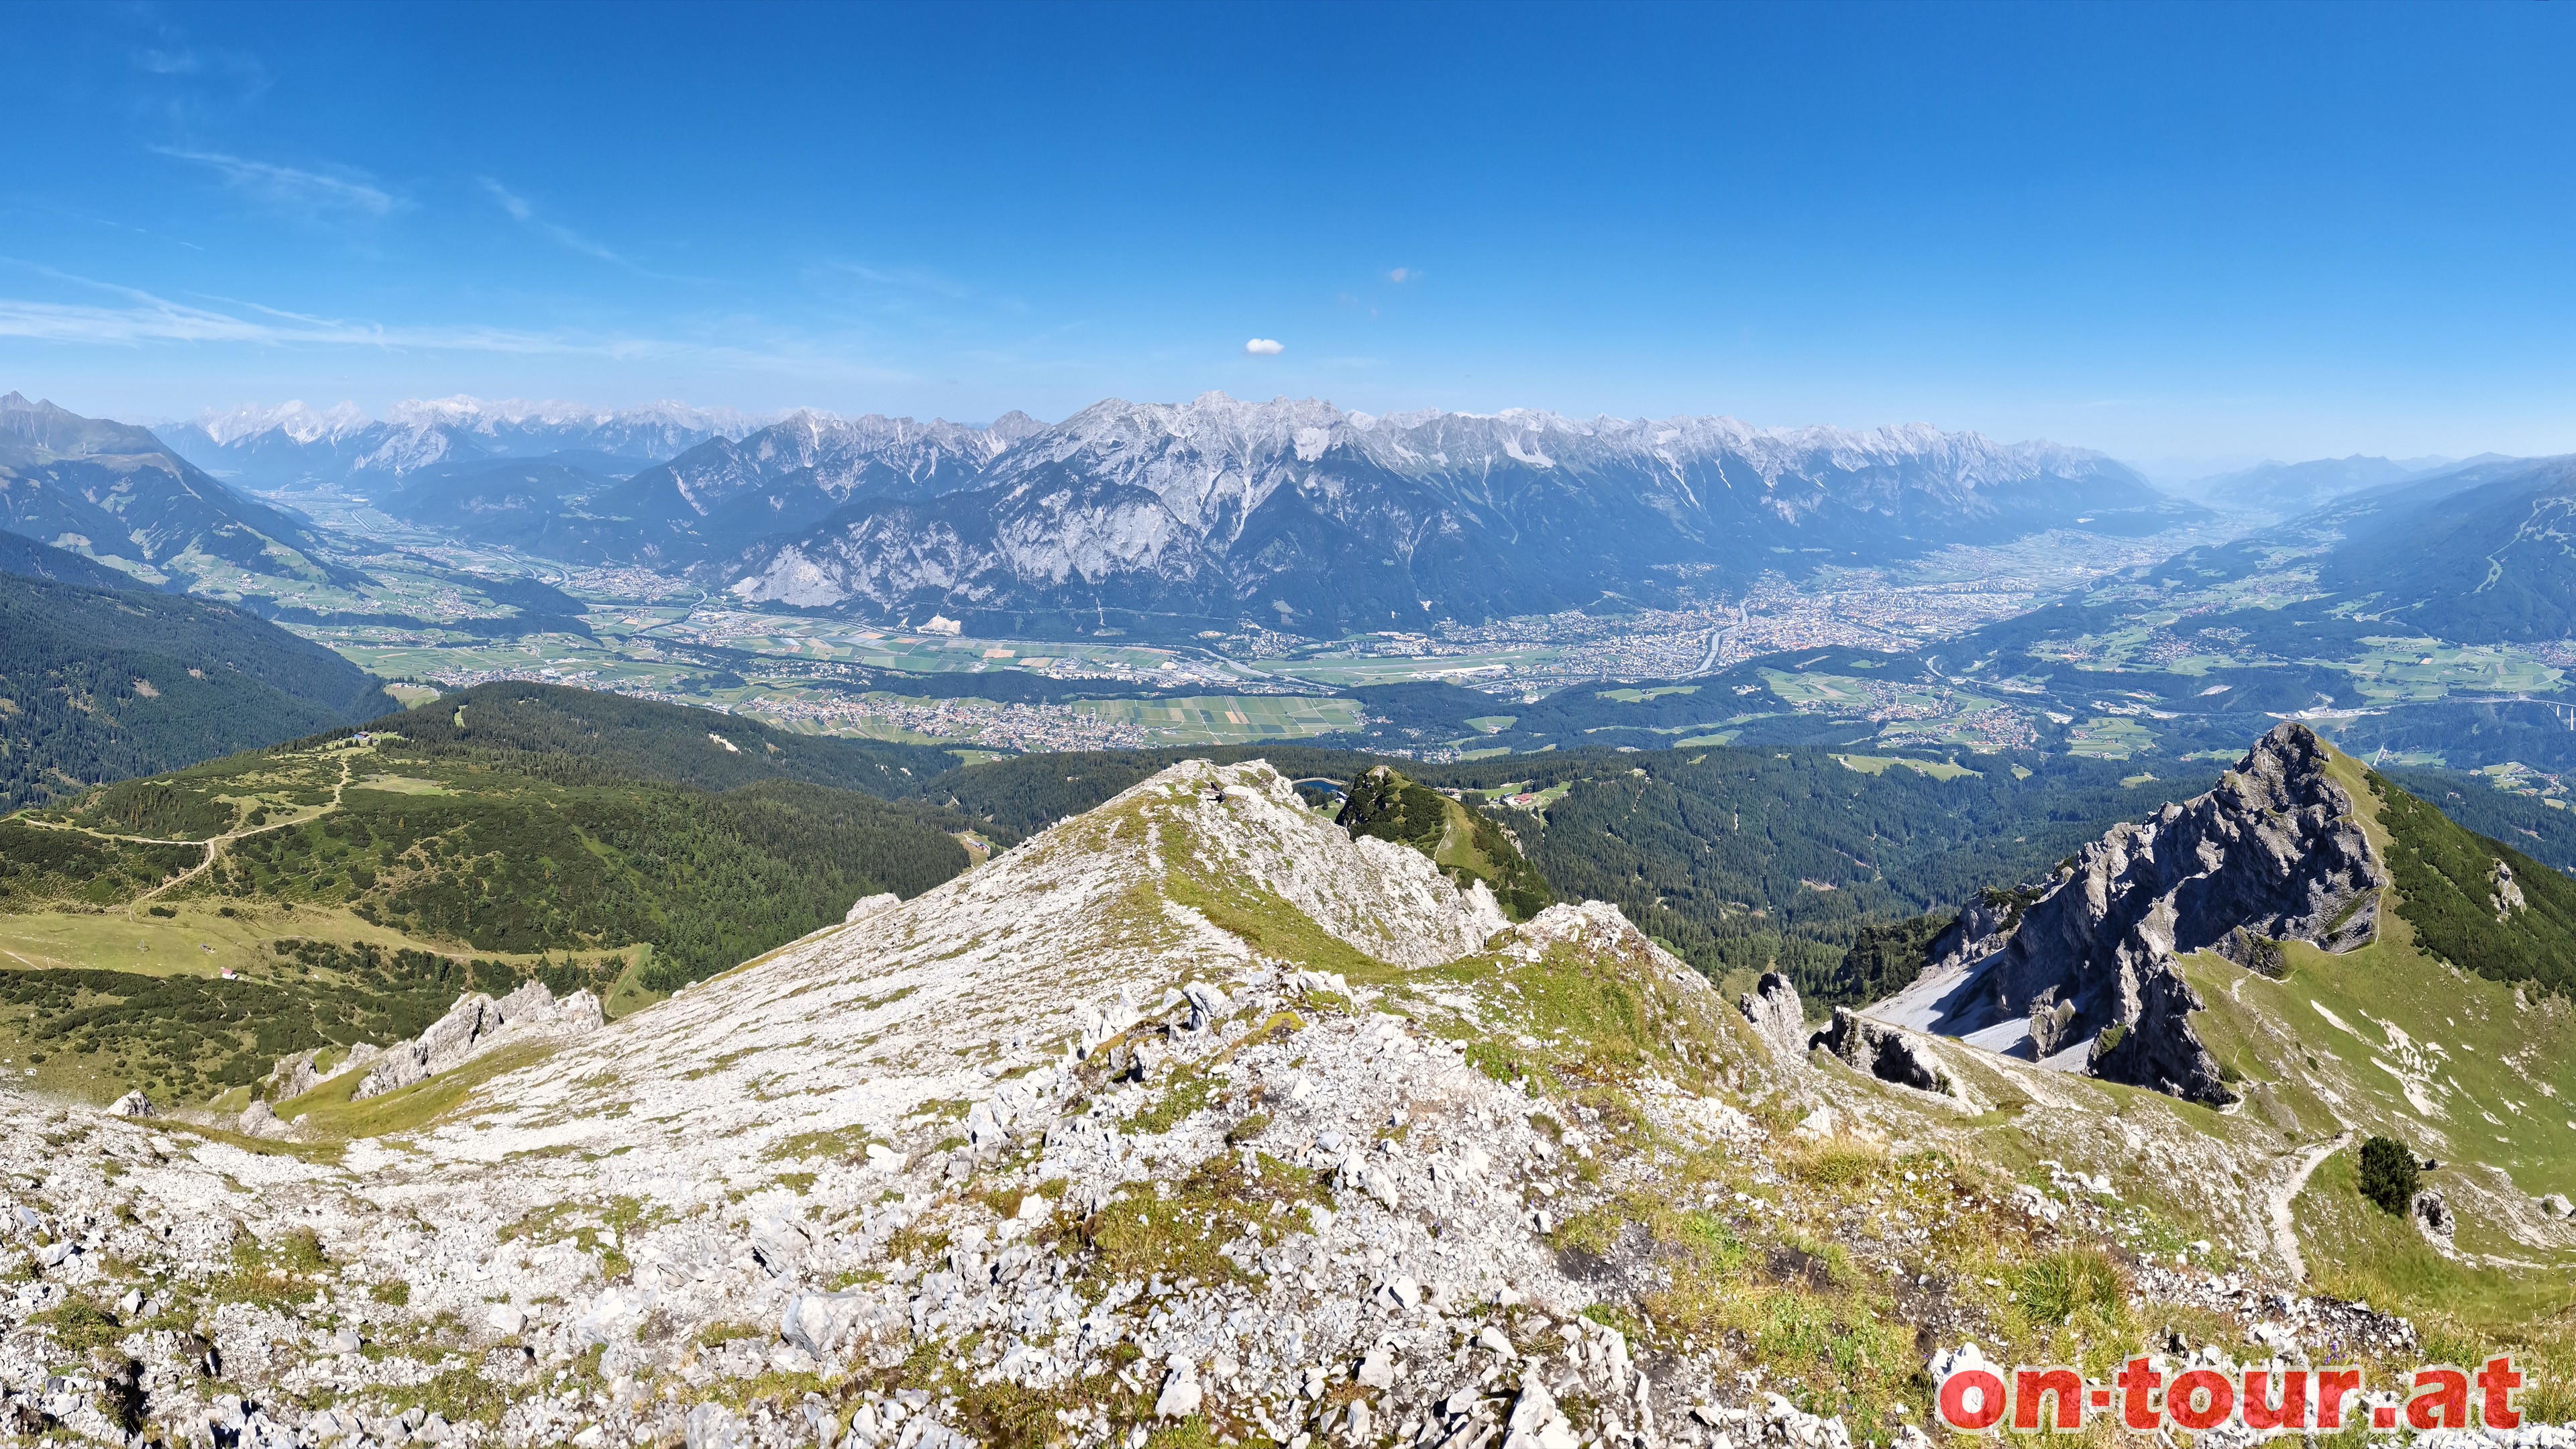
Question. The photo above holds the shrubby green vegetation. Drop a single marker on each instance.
(40, 868)
(2449, 892)
(2547, 835)
(1883, 959)
(2388, 1174)
(498, 861)
(548, 823)
(576, 736)
(511, 864)
(189, 1037)
(1464, 841)
(1385, 804)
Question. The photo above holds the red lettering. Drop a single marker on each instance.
(2441, 1399)
(1989, 1391)
(2138, 1382)
(2257, 1408)
(2332, 1385)
(2200, 1399)
(2030, 1385)
(2496, 1383)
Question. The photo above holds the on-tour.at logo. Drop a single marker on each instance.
(1975, 1399)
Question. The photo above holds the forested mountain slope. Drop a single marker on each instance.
(343, 877)
(119, 494)
(564, 732)
(99, 685)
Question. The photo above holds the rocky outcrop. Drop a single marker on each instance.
(867, 906)
(258, 1121)
(2507, 896)
(476, 1024)
(1882, 1051)
(2275, 853)
(2434, 1214)
(1777, 1016)
(294, 1076)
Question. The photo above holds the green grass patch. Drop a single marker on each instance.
(1177, 1236)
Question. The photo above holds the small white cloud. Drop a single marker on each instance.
(1264, 347)
(1402, 275)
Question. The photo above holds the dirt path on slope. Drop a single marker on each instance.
(215, 843)
(2285, 1233)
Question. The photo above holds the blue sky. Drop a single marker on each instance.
(2201, 232)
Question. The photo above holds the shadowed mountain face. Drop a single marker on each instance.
(116, 493)
(100, 684)
(1297, 515)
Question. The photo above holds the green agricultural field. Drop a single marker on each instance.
(1345, 671)
(1829, 690)
(2109, 737)
(1640, 696)
(1881, 764)
(1228, 719)
(2423, 669)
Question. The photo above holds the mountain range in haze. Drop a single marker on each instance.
(2287, 489)
(273, 447)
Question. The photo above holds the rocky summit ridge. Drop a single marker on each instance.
(2084, 977)
(1191, 1120)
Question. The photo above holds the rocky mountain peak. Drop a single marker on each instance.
(2086, 977)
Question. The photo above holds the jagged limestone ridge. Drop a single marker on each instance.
(2273, 853)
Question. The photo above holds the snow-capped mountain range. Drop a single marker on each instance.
(296, 443)
(1172, 517)
(1297, 514)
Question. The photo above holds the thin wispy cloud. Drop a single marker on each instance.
(292, 188)
(138, 318)
(522, 212)
(1402, 275)
(905, 279)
